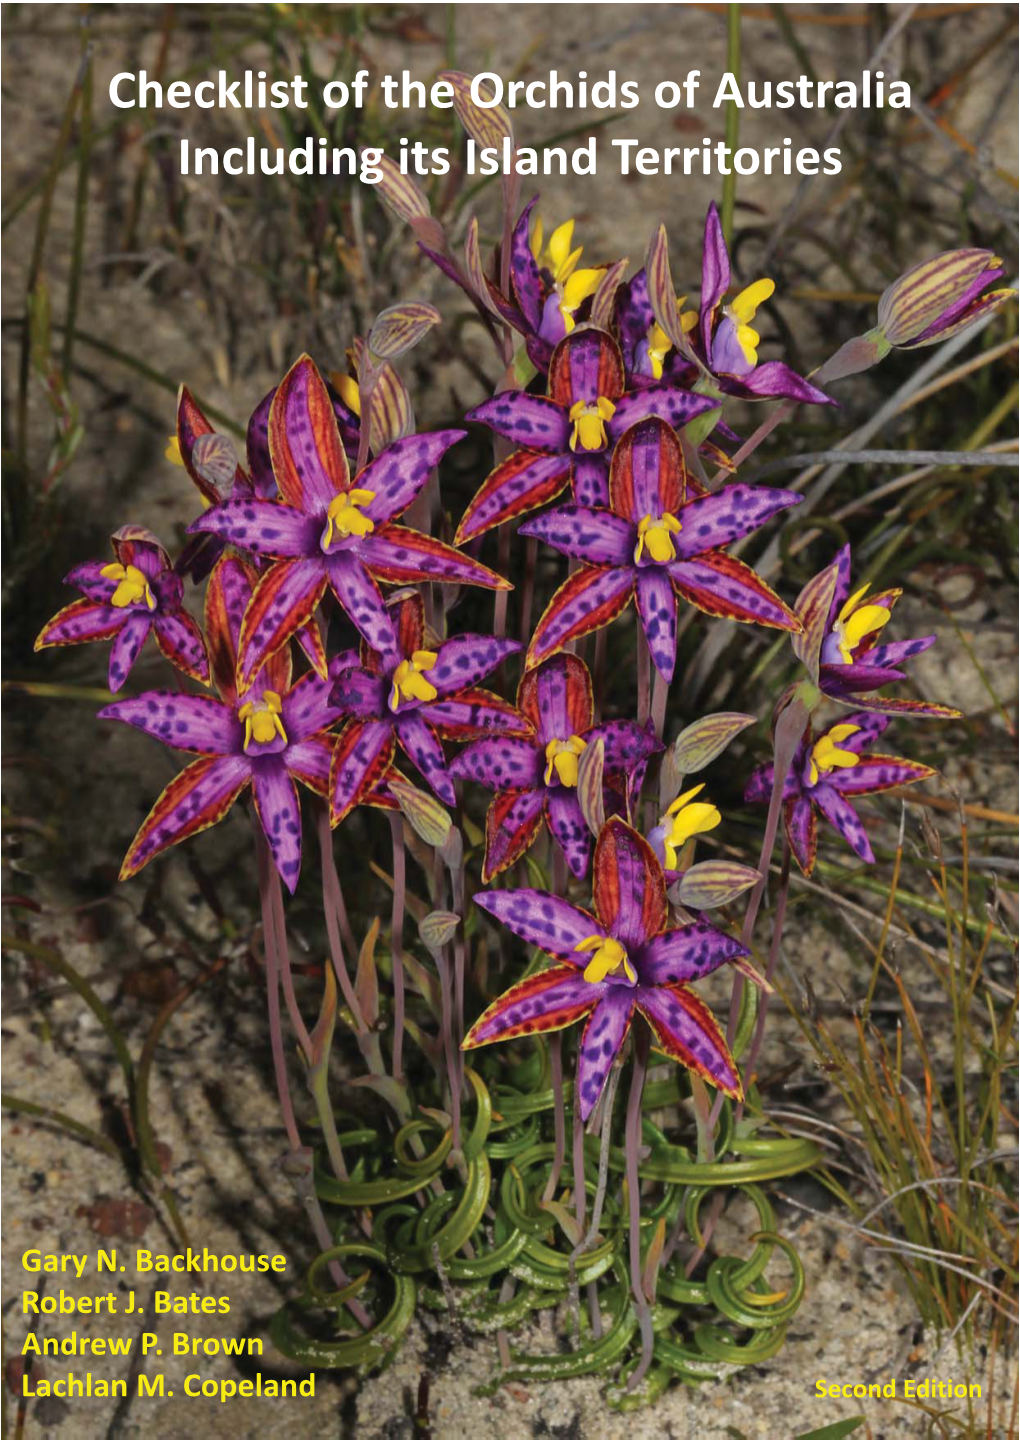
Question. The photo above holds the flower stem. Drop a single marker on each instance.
(559, 1115)
(397, 940)
(632, 1148)
(333, 908)
(729, 190)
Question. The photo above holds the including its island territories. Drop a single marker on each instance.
(189, 1260)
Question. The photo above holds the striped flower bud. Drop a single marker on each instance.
(939, 297)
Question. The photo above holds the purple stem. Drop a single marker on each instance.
(559, 1115)
(452, 1064)
(778, 923)
(459, 964)
(397, 940)
(644, 697)
(632, 1148)
(331, 913)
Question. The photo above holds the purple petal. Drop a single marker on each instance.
(128, 642)
(363, 753)
(773, 378)
(877, 773)
(534, 422)
(842, 591)
(179, 638)
(361, 598)
(840, 814)
(735, 511)
(656, 603)
(585, 534)
(310, 762)
(524, 269)
(90, 581)
(715, 269)
(800, 819)
(424, 748)
(521, 482)
(466, 659)
(269, 528)
(760, 783)
(627, 744)
(357, 692)
(502, 764)
(604, 1034)
(687, 1031)
(473, 714)
(894, 653)
(628, 885)
(669, 403)
(556, 698)
(512, 822)
(568, 826)
(279, 811)
(870, 727)
(543, 920)
(590, 598)
(190, 723)
(721, 585)
(634, 316)
(398, 473)
(83, 620)
(841, 680)
(309, 707)
(685, 954)
(589, 478)
(545, 1001)
(199, 797)
(260, 466)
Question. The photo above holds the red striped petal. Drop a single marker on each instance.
(548, 1001)
(197, 798)
(284, 600)
(304, 442)
(590, 598)
(524, 480)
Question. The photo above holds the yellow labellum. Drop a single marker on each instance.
(261, 719)
(344, 516)
(132, 585)
(684, 819)
(408, 682)
(827, 755)
(590, 424)
(561, 758)
(656, 534)
(609, 956)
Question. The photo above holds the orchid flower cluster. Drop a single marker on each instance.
(601, 451)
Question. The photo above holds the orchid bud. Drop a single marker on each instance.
(939, 297)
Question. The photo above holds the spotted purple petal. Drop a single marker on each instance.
(586, 534)
(684, 954)
(279, 812)
(500, 764)
(604, 1034)
(656, 603)
(424, 748)
(840, 814)
(543, 920)
(128, 642)
(712, 521)
(190, 723)
(568, 826)
(534, 422)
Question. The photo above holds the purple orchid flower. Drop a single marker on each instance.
(622, 959)
(324, 531)
(852, 660)
(267, 735)
(655, 542)
(550, 291)
(722, 337)
(824, 773)
(125, 600)
(415, 694)
(536, 777)
(569, 433)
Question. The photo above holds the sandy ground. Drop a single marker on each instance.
(213, 1106)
